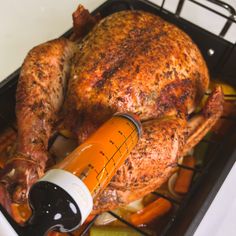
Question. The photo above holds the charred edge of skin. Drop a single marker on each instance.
(169, 95)
(109, 73)
(126, 50)
(83, 22)
(214, 104)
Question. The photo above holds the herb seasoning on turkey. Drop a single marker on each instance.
(130, 61)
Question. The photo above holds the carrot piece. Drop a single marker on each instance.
(20, 213)
(155, 209)
(53, 233)
(89, 218)
(2, 162)
(184, 179)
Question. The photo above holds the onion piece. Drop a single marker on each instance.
(171, 184)
(180, 161)
(134, 206)
(62, 147)
(104, 219)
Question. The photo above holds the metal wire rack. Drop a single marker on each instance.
(220, 65)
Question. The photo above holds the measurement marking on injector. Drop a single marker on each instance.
(126, 146)
(101, 152)
(106, 171)
(116, 146)
(132, 140)
(118, 150)
(129, 125)
(96, 171)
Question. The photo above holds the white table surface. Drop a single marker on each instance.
(26, 23)
(220, 218)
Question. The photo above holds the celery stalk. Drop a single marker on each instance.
(112, 231)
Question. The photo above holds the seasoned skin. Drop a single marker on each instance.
(40, 94)
(82, 22)
(148, 166)
(131, 61)
(155, 157)
(134, 61)
(200, 124)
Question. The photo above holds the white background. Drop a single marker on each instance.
(26, 23)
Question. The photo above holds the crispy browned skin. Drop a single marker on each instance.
(40, 94)
(131, 61)
(148, 166)
(134, 61)
(83, 22)
(200, 124)
(155, 157)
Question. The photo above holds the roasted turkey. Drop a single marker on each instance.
(130, 61)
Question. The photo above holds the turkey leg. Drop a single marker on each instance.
(155, 158)
(200, 124)
(40, 95)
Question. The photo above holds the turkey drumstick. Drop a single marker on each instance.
(40, 95)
